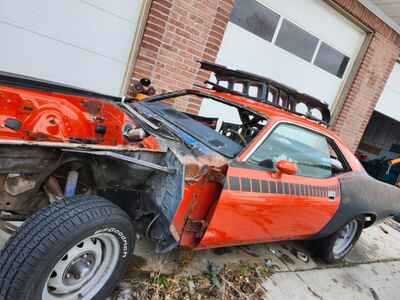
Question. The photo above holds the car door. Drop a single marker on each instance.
(259, 203)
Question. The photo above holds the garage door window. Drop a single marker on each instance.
(297, 41)
(256, 18)
(267, 24)
(331, 60)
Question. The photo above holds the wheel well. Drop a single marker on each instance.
(86, 175)
(369, 219)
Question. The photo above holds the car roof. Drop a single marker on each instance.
(274, 113)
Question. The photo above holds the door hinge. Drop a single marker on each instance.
(198, 227)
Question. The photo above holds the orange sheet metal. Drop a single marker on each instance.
(51, 117)
(257, 207)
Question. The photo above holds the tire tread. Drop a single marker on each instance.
(41, 231)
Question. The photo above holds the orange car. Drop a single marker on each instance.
(87, 172)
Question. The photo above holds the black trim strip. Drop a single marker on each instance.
(252, 185)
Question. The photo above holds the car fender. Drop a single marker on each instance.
(362, 195)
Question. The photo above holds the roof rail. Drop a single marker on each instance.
(268, 91)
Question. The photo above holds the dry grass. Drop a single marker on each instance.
(239, 281)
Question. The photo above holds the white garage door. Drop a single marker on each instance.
(389, 103)
(305, 44)
(84, 43)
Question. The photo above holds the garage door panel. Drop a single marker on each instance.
(255, 55)
(57, 62)
(332, 27)
(85, 43)
(126, 9)
(389, 103)
(312, 50)
(73, 22)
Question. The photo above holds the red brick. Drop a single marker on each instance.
(179, 32)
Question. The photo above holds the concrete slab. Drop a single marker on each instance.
(372, 270)
(366, 281)
(277, 256)
(380, 242)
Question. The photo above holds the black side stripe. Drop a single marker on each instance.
(235, 183)
(264, 187)
(255, 185)
(245, 183)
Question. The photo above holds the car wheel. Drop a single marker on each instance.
(73, 249)
(396, 217)
(336, 246)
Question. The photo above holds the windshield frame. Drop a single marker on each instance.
(192, 92)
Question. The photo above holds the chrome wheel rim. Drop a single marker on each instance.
(345, 238)
(84, 269)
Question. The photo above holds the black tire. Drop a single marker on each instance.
(396, 217)
(29, 257)
(325, 246)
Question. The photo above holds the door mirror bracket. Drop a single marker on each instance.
(267, 163)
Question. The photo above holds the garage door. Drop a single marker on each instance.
(84, 43)
(305, 44)
(389, 104)
(381, 139)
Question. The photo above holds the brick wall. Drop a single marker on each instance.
(371, 77)
(178, 33)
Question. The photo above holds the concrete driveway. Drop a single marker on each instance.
(371, 270)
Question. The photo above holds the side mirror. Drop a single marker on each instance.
(287, 167)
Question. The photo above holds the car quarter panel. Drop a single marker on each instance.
(363, 195)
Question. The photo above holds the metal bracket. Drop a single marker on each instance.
(139, 116)
(127, 159)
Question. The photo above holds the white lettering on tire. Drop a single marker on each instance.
(121, 235)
